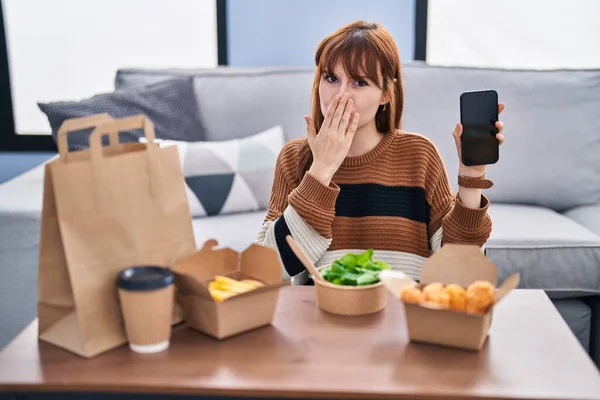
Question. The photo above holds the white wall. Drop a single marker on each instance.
(536, 34)
(71, 49)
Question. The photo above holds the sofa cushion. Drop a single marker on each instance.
(551, 251)
(236, 231)
(229, 176)
(551, 116)
(229, 98)
(170, 105)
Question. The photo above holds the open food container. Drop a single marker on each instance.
(345, 299)
(350, 300)
(455, 299)
(223, 293)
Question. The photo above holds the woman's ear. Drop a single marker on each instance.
(385, 98)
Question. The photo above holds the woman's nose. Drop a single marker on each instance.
(344, 88)
(342, 92)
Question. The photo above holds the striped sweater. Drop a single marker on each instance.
(396, 199)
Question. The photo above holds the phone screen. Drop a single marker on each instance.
(478, 115)
(479, 109)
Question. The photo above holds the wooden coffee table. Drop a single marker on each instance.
(530, 354)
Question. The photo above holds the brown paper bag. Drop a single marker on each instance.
(105, 209)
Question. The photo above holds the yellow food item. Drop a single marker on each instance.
(432, 287)
(220, 295)
(458, 297)
(475, 299)
(252, 282)
(411, 294)
(439, 297)
(235, 284)
(480, 295)
(223, 287)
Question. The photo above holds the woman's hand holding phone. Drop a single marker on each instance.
(475, 170)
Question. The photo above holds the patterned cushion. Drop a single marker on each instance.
(230, 176)
(170, 105)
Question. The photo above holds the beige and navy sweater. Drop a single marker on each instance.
(396, 199)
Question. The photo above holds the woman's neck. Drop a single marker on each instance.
(365, 139)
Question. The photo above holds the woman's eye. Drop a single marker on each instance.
(358, 82)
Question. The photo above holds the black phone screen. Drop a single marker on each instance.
(478, 115)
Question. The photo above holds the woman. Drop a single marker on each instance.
(357, 181)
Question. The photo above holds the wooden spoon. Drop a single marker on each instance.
(305, 261)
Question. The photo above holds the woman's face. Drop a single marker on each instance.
(365, 94)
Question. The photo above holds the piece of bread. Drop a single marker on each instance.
(458, 297)
(480, 295)
(411, 294)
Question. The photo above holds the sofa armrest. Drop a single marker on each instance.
(20, 212)
(588, 216)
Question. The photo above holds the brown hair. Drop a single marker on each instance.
(361, 48)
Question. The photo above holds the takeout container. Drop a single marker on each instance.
(340, 299)
(350, 300)
(237, 314)
(461, 265)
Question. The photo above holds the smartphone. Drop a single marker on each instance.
(478, 116)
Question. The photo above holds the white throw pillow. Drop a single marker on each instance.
(230, 176)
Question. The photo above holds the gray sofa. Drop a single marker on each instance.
(545, 201)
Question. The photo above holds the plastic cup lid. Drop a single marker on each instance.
(145, 278)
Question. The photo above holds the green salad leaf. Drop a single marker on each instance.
(355, 270)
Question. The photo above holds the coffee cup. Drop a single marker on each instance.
(146, 294)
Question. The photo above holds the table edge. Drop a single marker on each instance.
(254, 393)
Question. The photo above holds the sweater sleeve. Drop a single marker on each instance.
(304, 211)
(450, 220)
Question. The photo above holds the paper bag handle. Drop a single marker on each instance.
(122, 124)
(76, 124)
(127, 124)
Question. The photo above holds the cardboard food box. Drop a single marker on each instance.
(461, 265)
(235, 314)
